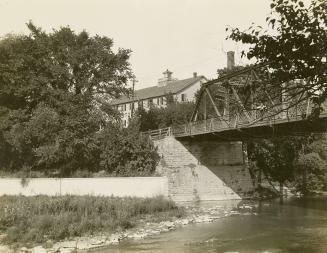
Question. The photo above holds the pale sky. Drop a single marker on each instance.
(184, 36)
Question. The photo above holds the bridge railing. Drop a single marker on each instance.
(158, 133)
(256, 117)
(281, 113)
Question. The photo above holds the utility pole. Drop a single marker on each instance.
(133, 103)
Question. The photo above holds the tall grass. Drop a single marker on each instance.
(40, 218)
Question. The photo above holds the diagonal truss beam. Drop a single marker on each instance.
(241, 104)
(213, 102)
(215, 107)
(221, 80)
(197, 105)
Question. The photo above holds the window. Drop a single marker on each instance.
(183, 97)
(141, 104)
(161, 100)
(150, 102)
(158, 101)
(131, 106)
(124, 107)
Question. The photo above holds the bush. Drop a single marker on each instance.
(124, 152)
(174, 114)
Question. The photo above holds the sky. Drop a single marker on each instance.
(184, 36)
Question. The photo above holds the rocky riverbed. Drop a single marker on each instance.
(195, 214)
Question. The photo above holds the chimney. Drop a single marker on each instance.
(167, 75)
(195, 74)
(166, 79)
(230, 60)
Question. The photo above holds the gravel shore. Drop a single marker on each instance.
(196, 213)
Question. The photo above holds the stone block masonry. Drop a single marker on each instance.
(203, 170)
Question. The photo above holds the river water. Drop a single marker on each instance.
(294, 226)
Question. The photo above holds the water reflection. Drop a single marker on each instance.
(296, 226)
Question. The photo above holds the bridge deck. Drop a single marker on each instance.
(221, 127)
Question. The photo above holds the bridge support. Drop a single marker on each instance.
(204, 170)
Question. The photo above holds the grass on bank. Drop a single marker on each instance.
(40, 218)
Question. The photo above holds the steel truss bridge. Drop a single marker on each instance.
(246, 103)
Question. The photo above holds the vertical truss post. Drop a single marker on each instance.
(205, 106)
(308, 107)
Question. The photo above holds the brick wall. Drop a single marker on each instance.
(203, 170)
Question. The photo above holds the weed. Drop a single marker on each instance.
(42, 218)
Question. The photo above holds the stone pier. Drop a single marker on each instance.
(204, 170)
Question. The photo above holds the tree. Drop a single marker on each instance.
(311, 173)
(294, 45)
(275, 158)
(51, 85)
(176, 114)
(299, 162)
(146, 120)
(125, 153)
(173, 114)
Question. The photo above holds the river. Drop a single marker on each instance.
(294, 226)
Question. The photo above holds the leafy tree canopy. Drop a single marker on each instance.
(294, 44)
(299, 162)
(53, 100)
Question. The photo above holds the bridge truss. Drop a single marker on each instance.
(244, 99)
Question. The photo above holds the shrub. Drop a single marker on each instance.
(125, 153)
(174, 114)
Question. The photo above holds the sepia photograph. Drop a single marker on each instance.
(163, 126)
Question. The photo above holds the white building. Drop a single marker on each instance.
(181, 90)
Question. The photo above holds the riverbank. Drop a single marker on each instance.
(146, 226)
(26, 222)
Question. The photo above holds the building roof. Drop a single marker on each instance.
(156, 91)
